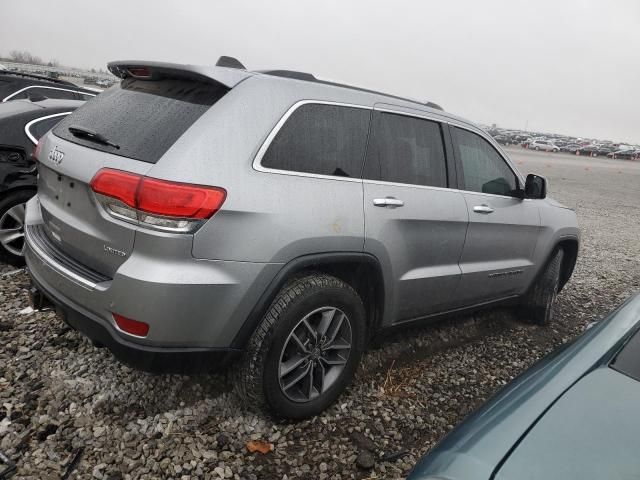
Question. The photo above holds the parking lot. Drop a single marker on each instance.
(67, 407)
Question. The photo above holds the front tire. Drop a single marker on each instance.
(306, 350)
(12, 226)
(538, 304)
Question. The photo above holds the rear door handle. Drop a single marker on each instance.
(484, 208)
(389, 202)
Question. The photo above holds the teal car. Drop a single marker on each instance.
(572, 416)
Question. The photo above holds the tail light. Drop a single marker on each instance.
(160, 204)
(37, 150)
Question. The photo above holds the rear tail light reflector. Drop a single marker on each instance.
(134, 327)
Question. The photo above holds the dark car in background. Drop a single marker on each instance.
(627, 154)
(573, 416)
(503, 139)
(22, 123)
(570, 148)
(591, 150)
(19, 86)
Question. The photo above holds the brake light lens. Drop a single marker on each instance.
(139, 72)
(134, 327)
(117, 184)
(37, 150)
(159, 204)
(179, 200)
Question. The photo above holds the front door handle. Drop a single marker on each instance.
(484, 208)
(388, 202)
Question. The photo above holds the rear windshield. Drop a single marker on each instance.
(144, 118)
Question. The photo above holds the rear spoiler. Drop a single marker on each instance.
(145, 70)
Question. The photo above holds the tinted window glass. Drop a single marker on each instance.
(321, 139)
(45, 92)
(143, 117)
(483, 169)
(38, 129)
(406, 150)
(628, 359)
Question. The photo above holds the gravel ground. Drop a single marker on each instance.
(66, 406)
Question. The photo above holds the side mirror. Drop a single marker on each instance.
(535, 187)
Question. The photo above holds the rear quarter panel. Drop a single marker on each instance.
(267, 217)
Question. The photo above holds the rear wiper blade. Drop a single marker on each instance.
(82, 132)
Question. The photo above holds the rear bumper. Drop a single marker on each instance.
(143, 357)
(194, 307)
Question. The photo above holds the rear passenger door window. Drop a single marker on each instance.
(406, 149)
(483, 168)
(321, 139)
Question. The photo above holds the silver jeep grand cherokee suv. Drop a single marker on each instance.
(193, 211)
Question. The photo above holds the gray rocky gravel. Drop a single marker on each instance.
(67, 408)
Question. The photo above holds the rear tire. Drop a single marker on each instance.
(284, 347)
(12, 226)
(538, 304)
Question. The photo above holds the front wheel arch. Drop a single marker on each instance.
(570, 248)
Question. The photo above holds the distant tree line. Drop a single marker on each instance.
(22, 56)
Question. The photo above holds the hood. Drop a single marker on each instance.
(590, 432)
(487, 437)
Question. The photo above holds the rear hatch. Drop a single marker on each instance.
(130, 126)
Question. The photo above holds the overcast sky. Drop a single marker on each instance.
(567, 66)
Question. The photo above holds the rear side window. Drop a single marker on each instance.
(406, 149)
(483, 169)
(144, 118)
(321, 139)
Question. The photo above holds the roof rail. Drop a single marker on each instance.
(290, 74)
(230, 62)
(434, 105)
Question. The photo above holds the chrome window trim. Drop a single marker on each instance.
(257, 161)
(414, 114)
(9, 97)
(429, 187)
(27, 127)
(408, 185)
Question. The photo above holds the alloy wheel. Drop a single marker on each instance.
(315, 354)
(12, 230)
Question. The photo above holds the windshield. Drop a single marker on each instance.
(143, 118)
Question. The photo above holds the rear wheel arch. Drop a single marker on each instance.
(361, 271)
